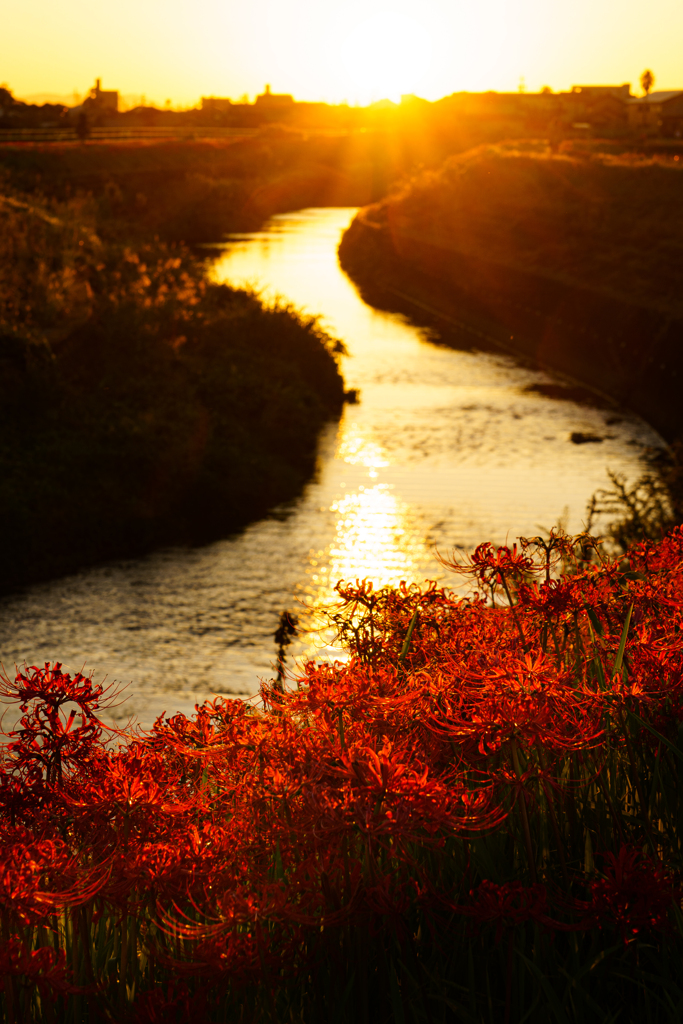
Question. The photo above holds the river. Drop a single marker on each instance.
(445, 448)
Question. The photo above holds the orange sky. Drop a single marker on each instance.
(358, 50)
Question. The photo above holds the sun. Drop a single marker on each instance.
(368, 50)
(386, 55)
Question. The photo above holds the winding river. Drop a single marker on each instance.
(444, 448)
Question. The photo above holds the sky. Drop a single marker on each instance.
(356, 51)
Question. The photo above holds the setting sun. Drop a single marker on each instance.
(390, 55)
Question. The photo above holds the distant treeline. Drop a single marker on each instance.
(16, 113)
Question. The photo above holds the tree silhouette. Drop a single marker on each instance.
(647, 80)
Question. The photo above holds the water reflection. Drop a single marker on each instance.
(444, 448)
(358, 449)
(376, 537)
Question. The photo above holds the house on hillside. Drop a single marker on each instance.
(274, 101)
(104, 101)
(621, 92)
(601, 108)
(215, 104)
(658, 113)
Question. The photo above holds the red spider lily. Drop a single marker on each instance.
(635, 894)
(391, 899)
(215, 724)
(490, 564)
(49, 740)
(43, 967)
(557, 548)
(507, 905)
(174, 1002)
(242, 844)
(133, 781)
(551, 599)
(517, 698)
(383, 796)
(38, 878)
(24, 866)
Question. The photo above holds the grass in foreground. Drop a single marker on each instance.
(477, 818)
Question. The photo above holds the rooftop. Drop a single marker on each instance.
(658, 97)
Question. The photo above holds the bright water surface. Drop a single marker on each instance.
(445, 448)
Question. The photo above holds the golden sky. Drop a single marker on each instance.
(355, 50)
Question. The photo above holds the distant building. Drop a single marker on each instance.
(105, 101)
(597, 109)
(620, 92)
(658, 113)
(274, 101)
(215, 104)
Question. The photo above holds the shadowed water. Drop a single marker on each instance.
(444, 448)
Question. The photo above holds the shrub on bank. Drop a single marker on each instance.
(475, 817)
(142, 404)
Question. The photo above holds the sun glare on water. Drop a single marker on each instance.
(377, 536)
(374, 538)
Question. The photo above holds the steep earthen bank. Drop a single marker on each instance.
(575, 264)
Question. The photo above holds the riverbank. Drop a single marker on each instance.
(141, 405)
(573, 263)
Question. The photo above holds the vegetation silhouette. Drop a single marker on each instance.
(143, 405)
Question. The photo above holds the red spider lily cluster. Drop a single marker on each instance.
(479, 770)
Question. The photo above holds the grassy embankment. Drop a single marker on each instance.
(196, 191)
(141, 405)
(575, 263)
(477, 818)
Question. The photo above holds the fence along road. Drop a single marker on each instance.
(58, 134)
